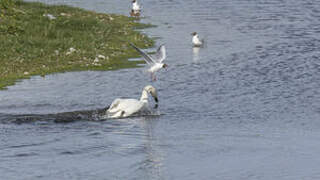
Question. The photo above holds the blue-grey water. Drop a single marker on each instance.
(245, 107)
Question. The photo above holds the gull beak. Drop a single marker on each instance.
(154, 94)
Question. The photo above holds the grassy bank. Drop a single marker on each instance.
(37, 39)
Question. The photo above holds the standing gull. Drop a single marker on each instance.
(154, 61)
(196, 40)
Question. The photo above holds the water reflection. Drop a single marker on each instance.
(153, 163)
(196, 56)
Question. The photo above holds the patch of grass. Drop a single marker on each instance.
(33, 44)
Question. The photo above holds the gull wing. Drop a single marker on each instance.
(160, 54)
(114, 106)
(146, 57)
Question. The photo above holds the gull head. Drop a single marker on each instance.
(150, 89)
(194, 33)
(133, 1)
(165, 66)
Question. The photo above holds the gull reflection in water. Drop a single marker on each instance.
(153, 162)
(196, 56)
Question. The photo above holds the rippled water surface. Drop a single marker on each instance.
(246, 106)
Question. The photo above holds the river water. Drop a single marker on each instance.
(245, 106)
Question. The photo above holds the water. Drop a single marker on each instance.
(246, 106)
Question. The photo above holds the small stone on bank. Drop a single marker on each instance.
(50, 16)
(101, 56)
(71, 50)
(96, 60)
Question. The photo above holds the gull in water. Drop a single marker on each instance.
(196, 41)
(121, 108)
(154, 61)
(135, 6)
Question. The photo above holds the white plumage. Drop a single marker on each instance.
(135, 6)
(196, 40)
(154, 61)
(126, 107)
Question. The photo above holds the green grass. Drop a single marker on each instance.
(32, 44)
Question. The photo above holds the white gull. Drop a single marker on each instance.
(121, 108)
(154, 61)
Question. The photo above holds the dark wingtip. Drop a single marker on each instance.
(156, 99)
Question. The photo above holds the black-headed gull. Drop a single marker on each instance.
(154, 61)
(126, 107)
(135, 6)
(196, 40)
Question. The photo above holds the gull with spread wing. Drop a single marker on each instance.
(154, 61)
